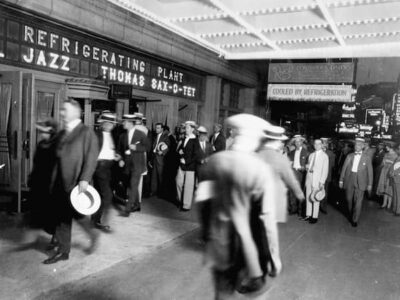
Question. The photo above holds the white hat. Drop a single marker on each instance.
(107, 117)
(298, 137)
(191, 123)
(202, 129)
(248, 123)
(358, 139)
(86, 203)
(162, 146)
(276, 133)
(319, 195)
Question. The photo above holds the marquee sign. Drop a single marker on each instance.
(311, 72)
(317, 93)
(37, 44)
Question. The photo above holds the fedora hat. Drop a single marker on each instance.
(191, 123)
(107, 117)
(319, 195)
(86, 203)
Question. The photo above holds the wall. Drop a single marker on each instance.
(377, 69)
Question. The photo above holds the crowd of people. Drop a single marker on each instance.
(243, 185)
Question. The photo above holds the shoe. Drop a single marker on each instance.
(291, 213)
(56, 257)
(306, 218)
(253, 285)
(102, 227)
(313, 220)
(125, 214)
(354, 224)
(135, 209)
(184, 209)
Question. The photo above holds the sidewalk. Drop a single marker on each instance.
(23, 276)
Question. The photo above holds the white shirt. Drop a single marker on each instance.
(71, 125)
(296, 161)
(203, 145)
(107, 149)
(130, 135)
(158, 139)
(356, 162)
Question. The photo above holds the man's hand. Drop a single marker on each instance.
(159, 152)
(181, 152)
(301, 197)
(83, 185)
(341, 184)
(121, 163)
(182, 160)
(117, 157)
(369, 189)
(321, 186)
(132, 147)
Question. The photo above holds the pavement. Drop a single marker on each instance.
(157, 254)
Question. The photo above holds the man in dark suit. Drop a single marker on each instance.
(132, 146)
(205, 149)
(356, 177)
(188, 150)
(77, 152)
(102, 177)
(218, 141)
(160, 147)
(299, 158)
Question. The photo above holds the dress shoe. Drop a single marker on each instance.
(135, 208)
(313, 220)
(102, 227)
(354, 224)
(184, 209)
(125, 214)
(252, 285)
(306, 218)
(56, 257)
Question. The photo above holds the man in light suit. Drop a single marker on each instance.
(205, 149)
(132, 147)
(356, 177)
(317, 172)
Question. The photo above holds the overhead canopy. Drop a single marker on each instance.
(280, 29)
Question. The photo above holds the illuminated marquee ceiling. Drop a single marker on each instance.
(280, 29)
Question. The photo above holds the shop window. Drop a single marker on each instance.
(13, 30)
(94, 70)
(12, 51)
(45, 105)
(74, 65)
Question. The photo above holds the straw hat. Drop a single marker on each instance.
(318, 195)
(202, 129)
(191, 123)
(162, 146)
(107, 117)
(275, 133)
(86, 203)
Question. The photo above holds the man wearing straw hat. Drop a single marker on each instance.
(299, 160)
(132, 147)
(356, 177)
(188, 150)
(105, 164)
(77, 152)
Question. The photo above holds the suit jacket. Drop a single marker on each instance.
(190, 154)
(318, 170)
(332, 159)
(135, 160)
(100, 138)
(364, 172)
(303, 156)
(203, 154)
(77, 154)
(219, 143)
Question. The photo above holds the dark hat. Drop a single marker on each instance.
(47, 126)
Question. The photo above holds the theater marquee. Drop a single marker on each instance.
(37, 44)
(302, 92)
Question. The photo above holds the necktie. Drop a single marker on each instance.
(312, 162)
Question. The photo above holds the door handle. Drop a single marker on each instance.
(26, 145)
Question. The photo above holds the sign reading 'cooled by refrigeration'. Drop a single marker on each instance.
(48, 47)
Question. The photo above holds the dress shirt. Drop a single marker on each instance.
(203, 146)
(107, 149)
(215, 137)
(71, 125)
(158, 139)
(296, 161)
(356, 161)
(314, 159)
(130, 135)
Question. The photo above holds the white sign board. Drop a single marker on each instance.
(310, 92)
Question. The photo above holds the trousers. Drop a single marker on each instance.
(185, 181)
